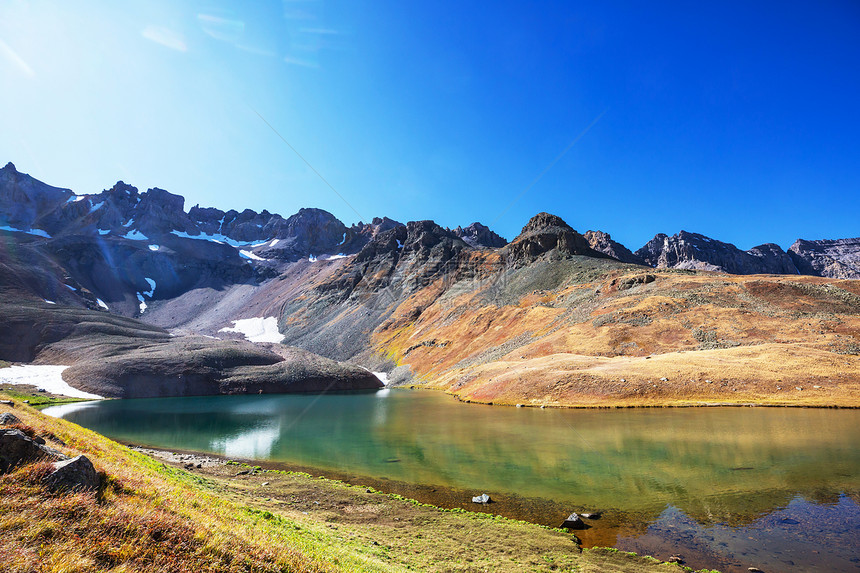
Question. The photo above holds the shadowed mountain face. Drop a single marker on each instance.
(119, 357)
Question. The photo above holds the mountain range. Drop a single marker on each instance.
(461, 309)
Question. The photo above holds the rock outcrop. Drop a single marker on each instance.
(603, 243)
(698, 252)
(27, 203)
(75, 474)
(839, 259)
(17, 448)
(8, 419)
(480, 236)
(544, 233)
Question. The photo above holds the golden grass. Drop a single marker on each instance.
(151, 517)
(756, 338)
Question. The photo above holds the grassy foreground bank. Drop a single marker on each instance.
(149, 516)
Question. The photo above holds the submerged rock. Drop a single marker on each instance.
(574, 522)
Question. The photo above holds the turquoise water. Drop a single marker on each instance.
(682, 475)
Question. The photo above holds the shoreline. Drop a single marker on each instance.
(602, 534)
(620, 406)
(609, 403)
(615, 528)
(310, 523)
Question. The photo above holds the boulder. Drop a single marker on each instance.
(573, 522)
(483, 498)
(17, 448)
(592, 515)
(7, 419)
(75, 474)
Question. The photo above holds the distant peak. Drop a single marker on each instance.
(544, 221)
(478, 235)
(10, 166)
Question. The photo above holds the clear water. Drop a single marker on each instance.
(728, 488)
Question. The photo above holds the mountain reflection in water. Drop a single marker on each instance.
(699, 472)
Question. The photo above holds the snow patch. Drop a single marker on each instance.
(274, 242)
(102, 304)
(95, 207)
(151, 290)
(257, 329)
(332, 257)
(153, 247)
(129, 223)
(217, 238)
(37, 232)
(48, 377)
(142, 303)
(383, 377)
(342, 241)
(49, 301)
(250, 255)
(399, 244)
(312, 259)
(70, 287)
(103, 231)
(136, 236)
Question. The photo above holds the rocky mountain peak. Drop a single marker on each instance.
(160, 211)
(162, 200)
(543, 233)
(478, 235)
(122, 189)
(26, 202)
(545, 223)
(687, 250)
(603, 243)
(837, 258)
(384, 224)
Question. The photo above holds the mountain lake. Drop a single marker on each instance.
(725, 487)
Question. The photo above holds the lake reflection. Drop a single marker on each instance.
(726, 467)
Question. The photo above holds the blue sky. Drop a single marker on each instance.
(738, 120)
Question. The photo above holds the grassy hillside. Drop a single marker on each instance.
(149, 516)
(585, 332)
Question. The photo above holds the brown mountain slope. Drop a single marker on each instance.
(630, 337)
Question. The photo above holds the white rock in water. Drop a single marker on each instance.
(483, 498)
